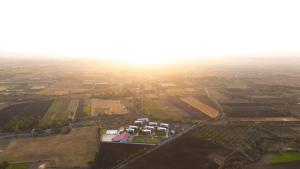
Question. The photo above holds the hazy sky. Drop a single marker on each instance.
(150, 31)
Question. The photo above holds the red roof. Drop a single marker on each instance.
(124, 136)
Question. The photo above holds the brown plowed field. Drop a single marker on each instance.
(37, 109)
(188, 151)
(112, 154)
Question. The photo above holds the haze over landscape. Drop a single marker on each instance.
(161, 84)
(150, 32)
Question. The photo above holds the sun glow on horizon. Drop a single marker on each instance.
(150, 32)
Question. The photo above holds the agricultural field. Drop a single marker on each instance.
(167, 109)
(153, 109)
(231, 136)
(218, 95)
(111, 155)
(200, 106)
(101, 106)
(176, 92)
(64, 88)
(252, 110)
(251, 142)
(206, 100)
(75, 149)
(70, 112)
(290, 165)
(17, 166)
(147, 139)
(187, 150)
(32, 110)
(285, 157)
(60, 111)
(3, 105)
(80, 109)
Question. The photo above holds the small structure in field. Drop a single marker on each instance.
(123, 137)
(109, 135)
(111, 132)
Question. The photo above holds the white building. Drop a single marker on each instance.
(165, 125)
(147, 132)
(153, 124)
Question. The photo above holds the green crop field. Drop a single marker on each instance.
(147, 139)
(71, 108)
(17, 166)
(55, 112)
(285, 157)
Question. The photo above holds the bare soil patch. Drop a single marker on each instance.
(102, 106)
(72, 150)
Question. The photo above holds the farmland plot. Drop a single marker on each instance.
(253, 110)
(75, 149)
(34, 109)
(57, 107)
(204, 108)
(101, 106)
(188, 151)
(60, 110)
(153, 109)
(70, 111)
(111, 155)
(172, 111)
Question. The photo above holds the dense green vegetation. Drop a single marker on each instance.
(285, 157)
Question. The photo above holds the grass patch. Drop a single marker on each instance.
(285, 157)
(147, 139)
(17, 166)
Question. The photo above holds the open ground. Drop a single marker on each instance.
(101, 106)
(75, 149)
